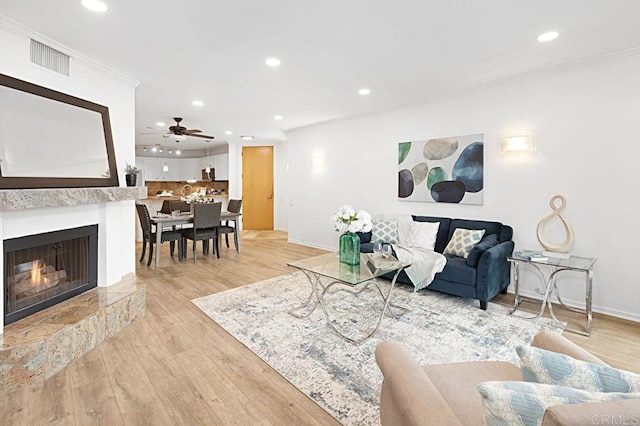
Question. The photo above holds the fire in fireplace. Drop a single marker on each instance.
(44, 269)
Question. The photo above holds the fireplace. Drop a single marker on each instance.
(45, 269)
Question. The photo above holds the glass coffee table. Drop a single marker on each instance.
(325, 271)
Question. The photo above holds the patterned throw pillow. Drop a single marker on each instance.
(522, 403)
(385, 230)
(462, 241)
(423, 235)
(541, 366)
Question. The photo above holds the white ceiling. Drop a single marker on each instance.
(405, 51)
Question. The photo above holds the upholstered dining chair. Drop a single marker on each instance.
(206, 218)
(225, 228)
(183, 206)
(149, 237)
(166, 207)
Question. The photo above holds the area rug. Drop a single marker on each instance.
(342, 378)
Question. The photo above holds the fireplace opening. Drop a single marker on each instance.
(45, 269)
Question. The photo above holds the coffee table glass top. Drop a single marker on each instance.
(328, 265)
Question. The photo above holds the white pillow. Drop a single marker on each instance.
(423, 235)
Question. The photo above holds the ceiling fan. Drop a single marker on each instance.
(181, 132)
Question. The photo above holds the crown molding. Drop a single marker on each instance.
(21, 30)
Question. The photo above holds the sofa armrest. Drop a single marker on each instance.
(407, 396)
(494, 271)
(622, 412)
(555, 342)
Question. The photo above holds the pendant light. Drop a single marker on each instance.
(207, 170)
(165, 166)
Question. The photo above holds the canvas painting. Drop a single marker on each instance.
(442, 170)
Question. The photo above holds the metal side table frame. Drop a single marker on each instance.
(572, 264)
(319, 289)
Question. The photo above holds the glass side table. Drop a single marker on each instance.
(556, 265)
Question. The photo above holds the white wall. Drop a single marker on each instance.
(586, 122)
(92, 82)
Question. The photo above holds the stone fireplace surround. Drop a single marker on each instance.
(36, 347)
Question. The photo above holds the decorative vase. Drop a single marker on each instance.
(130, 179)
(349, 248)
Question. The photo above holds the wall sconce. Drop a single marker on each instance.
(518, 143)
(317, 164)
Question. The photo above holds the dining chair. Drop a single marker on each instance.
(206, 218)
(225, 227)
(183, 206)
(166, 207)
(149, 237)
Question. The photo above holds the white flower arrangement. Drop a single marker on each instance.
(194, 197)
(347, 219)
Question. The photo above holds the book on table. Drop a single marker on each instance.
(532, 255)
(378, 263)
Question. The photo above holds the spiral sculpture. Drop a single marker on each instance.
(566, 245)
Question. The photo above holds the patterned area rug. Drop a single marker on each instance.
(342, 378)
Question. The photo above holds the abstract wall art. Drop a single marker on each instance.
(442, 170)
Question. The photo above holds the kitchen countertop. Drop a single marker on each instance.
(177, 197)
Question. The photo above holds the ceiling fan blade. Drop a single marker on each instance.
(202, 136)
(188, 132)
(152, 133)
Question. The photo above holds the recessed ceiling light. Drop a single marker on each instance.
(95, 5)
(246, 137)
(277, 117)
(364, 91)
(160, 124)
(198, 103)
(154, 149)
(228, 132)
(548, 36)
(159, 149)
(178, 152)
(273, 62)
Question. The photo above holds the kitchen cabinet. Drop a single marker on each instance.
(153, 169)
(189, 169)
(222, 166)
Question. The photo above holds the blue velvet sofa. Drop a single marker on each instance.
(462, 277)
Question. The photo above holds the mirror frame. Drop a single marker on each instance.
(65, 182)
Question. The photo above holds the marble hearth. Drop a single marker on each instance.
(36, 347)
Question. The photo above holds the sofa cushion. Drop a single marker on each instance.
(423, 235)
(542, 366)
(462, 241)
(489, 227)
(443, 230)
(365, 237)
(477, 250)
(456, 270)
(385, 230)
(524, 403)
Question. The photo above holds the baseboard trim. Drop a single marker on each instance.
(304, 243)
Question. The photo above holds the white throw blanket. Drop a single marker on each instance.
(425, 264)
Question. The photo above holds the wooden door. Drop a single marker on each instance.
(257, 187)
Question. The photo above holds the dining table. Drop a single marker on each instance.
(166, 220)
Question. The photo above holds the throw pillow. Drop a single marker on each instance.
(423, 235)
(477, 250)
(385, 230)
(522, 403)
(462, 241)
(542, 366)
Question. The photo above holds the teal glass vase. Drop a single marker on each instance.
(349, 248)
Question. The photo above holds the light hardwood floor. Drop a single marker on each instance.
(176, 366)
